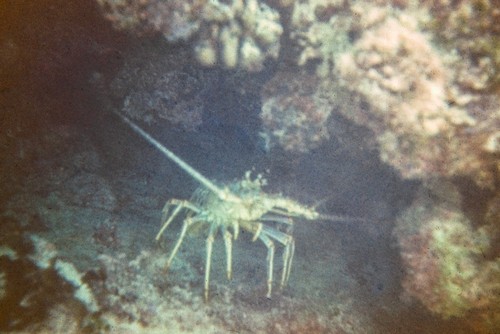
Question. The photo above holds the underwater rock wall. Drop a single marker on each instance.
(162, 89)
(405, 70)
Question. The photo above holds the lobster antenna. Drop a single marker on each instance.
(339, 218)
(336, 218)
(321, 202)
(221, 193)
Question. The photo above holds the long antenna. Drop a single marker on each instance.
(221, 193)
(337, 218)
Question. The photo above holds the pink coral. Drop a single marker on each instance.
(406, 88)
(446, 267)
(422, 271)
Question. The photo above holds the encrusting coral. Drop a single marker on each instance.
(229, 33)
(176, 20)
(451, 266)
(239, 34)
(411, 72)
(321, 29)
(293, 115)
(471, 30)
(430, 111)
(408, 108)
(161, 89)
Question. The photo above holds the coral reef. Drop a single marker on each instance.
(425, 91)
(176, 20)
(430, 107)
(248, 33)
(418, 80)
(470, 29)
(293, 115)
(451, 265)
(234, 34)
(321, 30)
(421, 126)
(408, 109)
(162, 89)
(412, 75)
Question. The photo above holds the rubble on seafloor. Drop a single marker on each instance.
(37, 283)
(124, 295)
(61, 271)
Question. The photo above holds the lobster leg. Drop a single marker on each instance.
(228, 242)
(208, 262)
(270, 261)
(179, 205)
(185, 226)
(289, 243)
